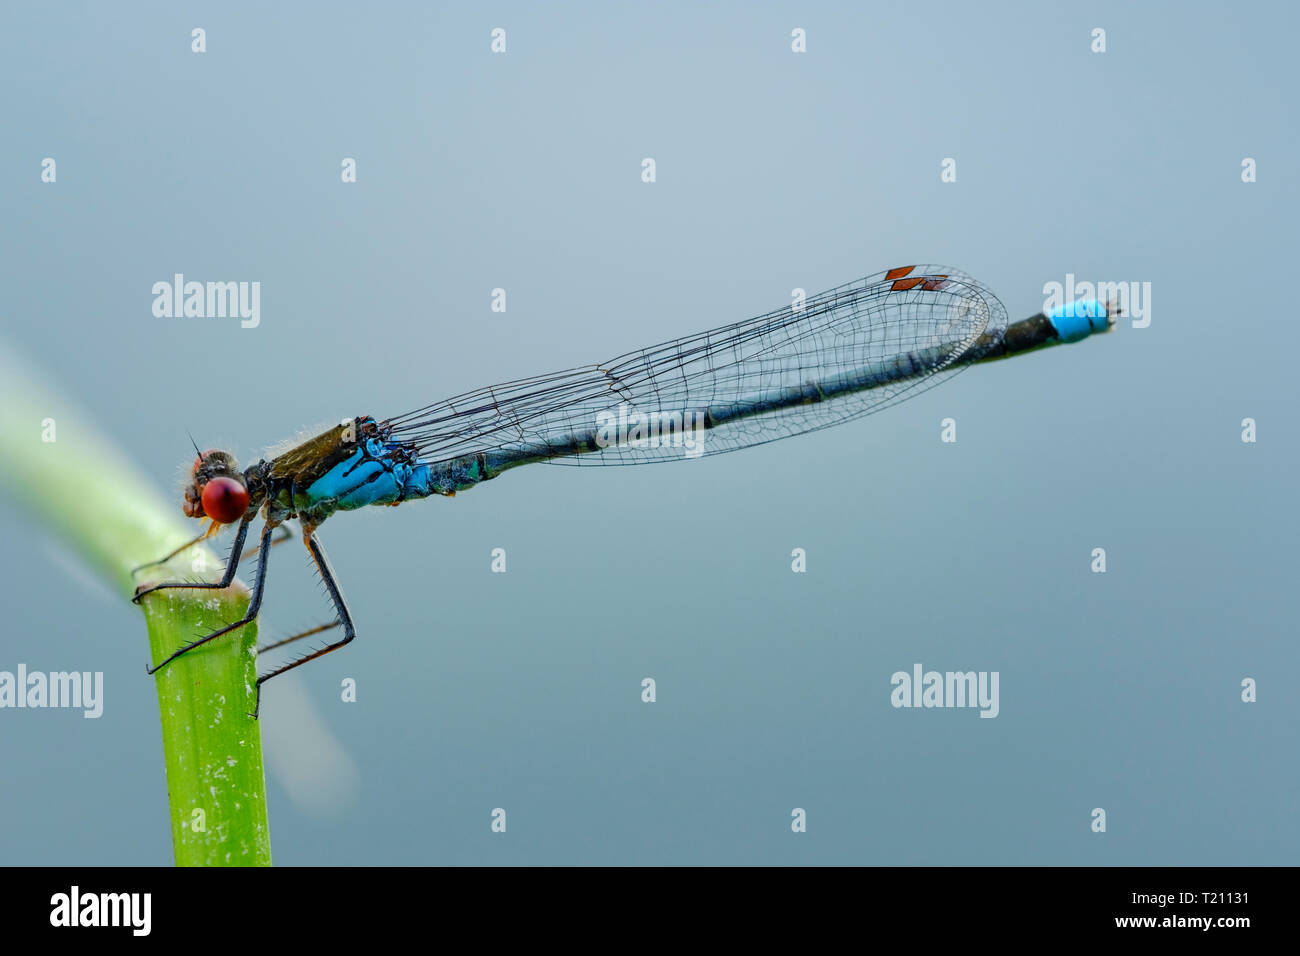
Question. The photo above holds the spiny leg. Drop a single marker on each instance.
(284, 537)
(254, 603)
(299, 636)
(212, 529)
(231, 566)
(340, 606)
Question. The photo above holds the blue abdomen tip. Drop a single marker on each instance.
(1079, 319)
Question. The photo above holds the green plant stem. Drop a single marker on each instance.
(84, 488)
(213, 748)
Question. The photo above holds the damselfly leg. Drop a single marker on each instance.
(284, 530)
(319, 628)
(231, 566)
(285, 534)
(212, 529)
(254, 603)
(340, 607)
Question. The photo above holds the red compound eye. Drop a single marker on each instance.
(225, 500)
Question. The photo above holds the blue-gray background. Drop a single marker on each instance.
(775, 171)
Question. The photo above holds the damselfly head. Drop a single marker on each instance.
(216, 488)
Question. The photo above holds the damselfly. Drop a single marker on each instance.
(837, 356)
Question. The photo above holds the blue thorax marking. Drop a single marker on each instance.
(378, 474)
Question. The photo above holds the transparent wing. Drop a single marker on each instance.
(845, 353)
